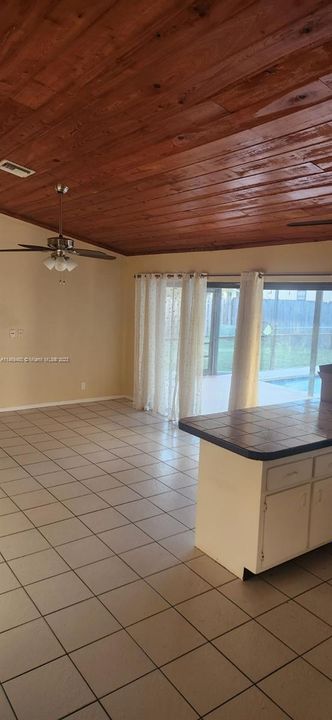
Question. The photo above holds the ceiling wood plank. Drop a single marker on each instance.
(180, 126)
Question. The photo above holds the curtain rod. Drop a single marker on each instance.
(238, 275)
(172, 274)
(262, 274)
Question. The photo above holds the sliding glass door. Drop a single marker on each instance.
(221, 314)
(296, 338)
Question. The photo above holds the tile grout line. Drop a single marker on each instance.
(180, 562)
(123, 627)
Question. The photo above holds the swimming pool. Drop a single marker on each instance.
(299, 383)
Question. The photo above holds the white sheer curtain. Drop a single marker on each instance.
(244, 383)
(192, 329)
(169, 340)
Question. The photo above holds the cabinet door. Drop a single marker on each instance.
(321, 513)
(286, 524)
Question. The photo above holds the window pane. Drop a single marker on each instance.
(296, 338)
(325, 330)
(207, 335)
(220, 325)
(227, 327)
(286, 331)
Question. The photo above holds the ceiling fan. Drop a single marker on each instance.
(62, 248)
(307, 223)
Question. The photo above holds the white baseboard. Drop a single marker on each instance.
(80, 401)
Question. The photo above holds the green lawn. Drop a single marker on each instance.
(291, 351)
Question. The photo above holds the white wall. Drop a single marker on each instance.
(81, 319)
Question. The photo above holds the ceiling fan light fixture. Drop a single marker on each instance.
(60, 264)
(71, 265)
(49, 262)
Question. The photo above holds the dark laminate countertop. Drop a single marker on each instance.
(268, 432)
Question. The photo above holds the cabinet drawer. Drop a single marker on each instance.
(323, 465)
(288, 475)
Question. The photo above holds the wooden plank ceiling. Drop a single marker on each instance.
(177, 125)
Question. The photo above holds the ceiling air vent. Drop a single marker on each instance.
(15, 169)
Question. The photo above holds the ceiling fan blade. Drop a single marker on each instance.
(15, 250)
(35, 248)
(91, 253)
(304, 223)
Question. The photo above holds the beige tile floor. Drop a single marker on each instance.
(107, 610)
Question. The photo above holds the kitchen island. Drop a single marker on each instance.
(265, 483)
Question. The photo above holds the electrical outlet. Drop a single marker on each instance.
(83, 386)
(12, 333)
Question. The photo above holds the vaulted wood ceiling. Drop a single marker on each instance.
(177, 125)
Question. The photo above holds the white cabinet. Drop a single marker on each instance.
(253, 515)
(321, 513)
(286, 518)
